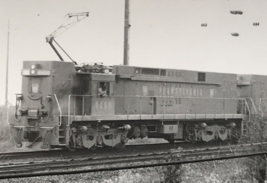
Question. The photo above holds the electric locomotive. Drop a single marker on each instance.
(89, 106)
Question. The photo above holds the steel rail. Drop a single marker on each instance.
(101, 151)
(103, 160)
(181, 155)
(64, 164)
(185, 151)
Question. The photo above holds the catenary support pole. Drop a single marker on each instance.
(7, 62)
(126, 33)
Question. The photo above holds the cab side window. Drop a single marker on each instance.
(103, 89)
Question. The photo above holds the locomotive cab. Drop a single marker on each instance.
(45, 84)
(102, 92)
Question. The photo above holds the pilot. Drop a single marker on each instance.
(102, 91)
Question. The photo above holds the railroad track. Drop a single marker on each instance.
(85, 152)
(37, 155)
(114, 161)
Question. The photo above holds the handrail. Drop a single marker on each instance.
(69, 111)
(253, 105)
(60, 112)
(175, 97)
(260, 103)
(165, 96)
(248, 110)
(261, 113)
(164, 109)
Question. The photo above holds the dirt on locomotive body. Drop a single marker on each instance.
(89, 106)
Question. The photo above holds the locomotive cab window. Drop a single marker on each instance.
(103, 89)
(34, 85)
(201, 76)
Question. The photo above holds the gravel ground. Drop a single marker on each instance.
(207, 172)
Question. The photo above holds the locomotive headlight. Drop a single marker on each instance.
(43, 72)
(32, 71)
(33, 66)
(36, 72)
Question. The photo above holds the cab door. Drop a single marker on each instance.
(103, 102)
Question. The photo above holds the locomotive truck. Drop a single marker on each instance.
(92, 105)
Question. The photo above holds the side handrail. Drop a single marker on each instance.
(164, 98)
(248, 110)
(260, 105)
(59, 108)
(68, 124)
(253, 105)
(69, 102)
(261, 113)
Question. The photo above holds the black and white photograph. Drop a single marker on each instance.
(133, 91)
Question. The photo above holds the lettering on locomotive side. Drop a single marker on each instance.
(182, 91)
(103, 105)
(168, 129)
(145, 90)
(211, 92)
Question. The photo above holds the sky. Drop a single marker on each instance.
(163, 33)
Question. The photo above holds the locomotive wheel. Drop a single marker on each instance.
(131, 132)
(120, 146)
(235, 135)
(71, 144)
(137, 132)
(190, 134)
(93, 148)
(171, 141)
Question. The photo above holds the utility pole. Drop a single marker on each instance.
(126, 33)
(7, 60)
